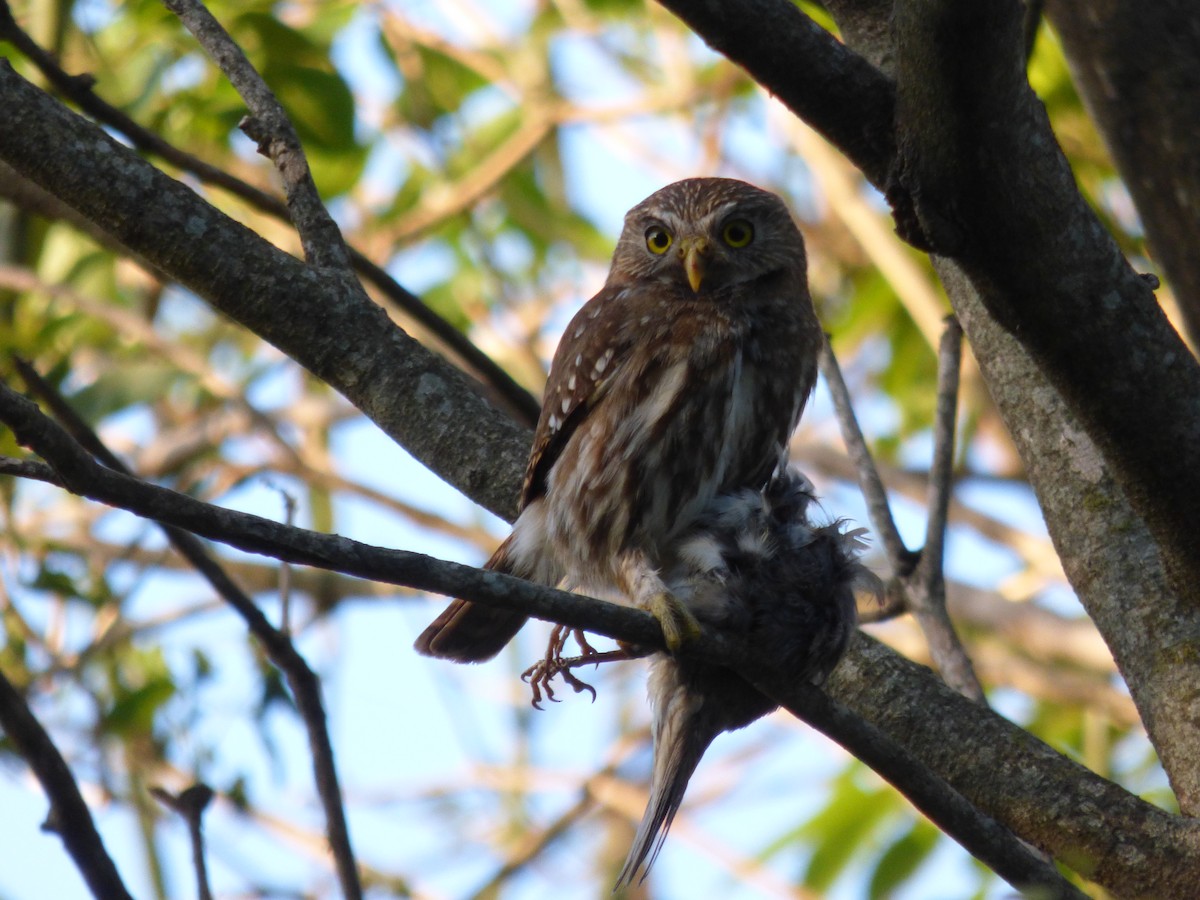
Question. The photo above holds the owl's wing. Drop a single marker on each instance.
(592, 349)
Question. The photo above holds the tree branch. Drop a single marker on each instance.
(901, 559)
(1001, 199)
(1083, 819)
(332, 330)
(304, 683)
(270, 127)
(1137, 66)
(70, 817)
(927, 585)
(190, 805)
(80, 89)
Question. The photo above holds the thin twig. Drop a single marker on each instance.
(927, 584)
(919, 583)
(305, 685)
(69, 817)
(269, 126)
(941, 470)
(190, 804)
(901, 558)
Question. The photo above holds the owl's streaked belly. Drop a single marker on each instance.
(638, 475)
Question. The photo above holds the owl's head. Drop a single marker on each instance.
(706, 234)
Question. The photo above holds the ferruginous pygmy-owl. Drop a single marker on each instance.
(681, 380)
(753, 566)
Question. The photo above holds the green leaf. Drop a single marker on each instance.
(133, 713)
(902, 858)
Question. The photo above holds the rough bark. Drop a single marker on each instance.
(994, 191)
(1106, 550)
(1137, 67)
(323, 322)
(1108, 554)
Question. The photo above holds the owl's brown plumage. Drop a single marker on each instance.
(681, 380)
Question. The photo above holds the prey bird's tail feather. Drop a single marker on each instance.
(682, 732)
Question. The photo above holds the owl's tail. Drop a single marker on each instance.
(683, 729)
(471, 632)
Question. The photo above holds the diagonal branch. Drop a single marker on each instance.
(330, 328)
(80, 90)
(1084, 823)
(70, 817)
(304, 683)
(269, 125)
(902, 559)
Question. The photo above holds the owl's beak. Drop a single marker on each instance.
(694, 251)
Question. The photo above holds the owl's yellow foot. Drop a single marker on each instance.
(676, 620)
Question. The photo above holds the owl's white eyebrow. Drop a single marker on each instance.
(724, 210)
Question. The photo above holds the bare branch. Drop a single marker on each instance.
(81, 90)
(331, 328)
(941, 471)
(927, 584)
(190, 804)
(271, 128)
(70, 817)
(1022, 755)
(901, 558)
(305, 685)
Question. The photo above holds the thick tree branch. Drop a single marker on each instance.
(418, 399)
(1077, 795)
(1109, 556)
(1137, 66)
(80, 90)
(996, 193)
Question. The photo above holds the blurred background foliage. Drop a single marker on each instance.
(483, 153)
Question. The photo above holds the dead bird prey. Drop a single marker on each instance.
(754, 565)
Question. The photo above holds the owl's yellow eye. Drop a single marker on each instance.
(658, 239)
(738, 233)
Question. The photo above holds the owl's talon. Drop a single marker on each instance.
(678, 623)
